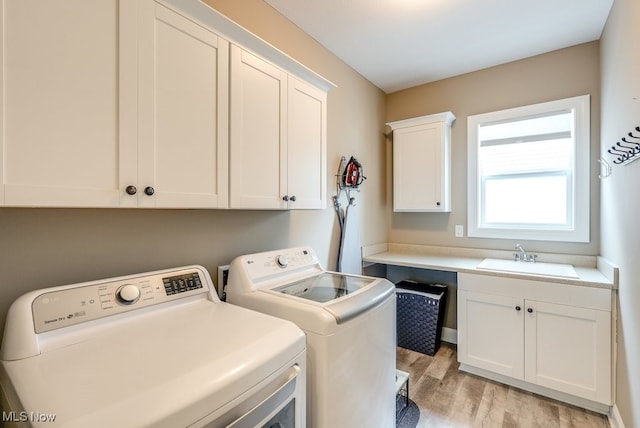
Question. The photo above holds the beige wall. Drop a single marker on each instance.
(620, 201)
(47, 247)
(559, 74)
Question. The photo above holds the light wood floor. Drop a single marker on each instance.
(448, 397)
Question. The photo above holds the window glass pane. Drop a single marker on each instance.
(531, 200)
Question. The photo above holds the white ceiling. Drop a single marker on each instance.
(397, 44)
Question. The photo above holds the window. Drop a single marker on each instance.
(529, 172)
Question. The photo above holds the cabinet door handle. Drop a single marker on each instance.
(131, 190)
(149, 191)
(518, 308)
(293, 198)
(285, 198)
(530, 310)
(438, 203)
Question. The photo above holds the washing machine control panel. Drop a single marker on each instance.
(263, 265)
(66, 306)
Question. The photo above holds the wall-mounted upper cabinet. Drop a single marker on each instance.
(306, 145)
(258, 132)
(422, 163)
(115, 103)
(182, 112)
(277, 137)
(112, 103)
(67, 101)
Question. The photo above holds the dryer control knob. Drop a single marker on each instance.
(128, 294)
(282, 261)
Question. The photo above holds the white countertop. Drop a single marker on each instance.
(592, 271)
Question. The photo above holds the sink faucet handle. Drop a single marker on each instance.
(523, 256)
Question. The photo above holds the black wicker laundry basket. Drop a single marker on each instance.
(420, 315)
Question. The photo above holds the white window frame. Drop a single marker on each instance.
(580, 195)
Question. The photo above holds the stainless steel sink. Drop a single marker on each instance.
(544, 269)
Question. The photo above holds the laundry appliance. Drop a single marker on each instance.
(155, 349)
(349, 321)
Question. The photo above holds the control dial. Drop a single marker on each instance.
(282, 261)
(128, 294)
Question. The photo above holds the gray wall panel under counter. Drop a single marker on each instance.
(396, 274)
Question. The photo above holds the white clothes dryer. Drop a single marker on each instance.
(157, 349)
(349, 322)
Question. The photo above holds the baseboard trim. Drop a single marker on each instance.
(556, 395)
(449, 335)
(615, 421)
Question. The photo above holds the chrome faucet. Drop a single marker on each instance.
(522, 256)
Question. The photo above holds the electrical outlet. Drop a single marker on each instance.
(223, 277)
(459, 231)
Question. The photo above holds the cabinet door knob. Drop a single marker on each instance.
(438, 203)
(530, 310)
(131, 190)
(518, 308)
(149, 190)
(285, 198)
(293, 198)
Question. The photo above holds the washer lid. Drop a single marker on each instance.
(343, 296)
(325, 287)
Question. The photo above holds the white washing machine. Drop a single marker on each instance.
(349, 321)
(154, 349)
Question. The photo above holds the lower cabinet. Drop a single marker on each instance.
(554, 336)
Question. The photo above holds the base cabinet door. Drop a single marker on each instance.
(548, 336)
(490, 332)
(568, 349)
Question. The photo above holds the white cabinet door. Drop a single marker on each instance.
(491, 332)
(417, 168)
(568, 349)
(183, 116)
(278, 139)
(421, 163)
(68, 75)
(307, 146)
(550, 335)
(258, 139)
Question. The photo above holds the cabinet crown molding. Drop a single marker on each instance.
(206, 15)
(446, 117)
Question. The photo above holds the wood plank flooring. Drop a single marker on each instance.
(448, 397)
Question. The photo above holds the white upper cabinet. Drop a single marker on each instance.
(422, 163)
(277, 137)
(67, 101)
(307, 146)
(183, 112)
(258, 140)
(114, 103)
